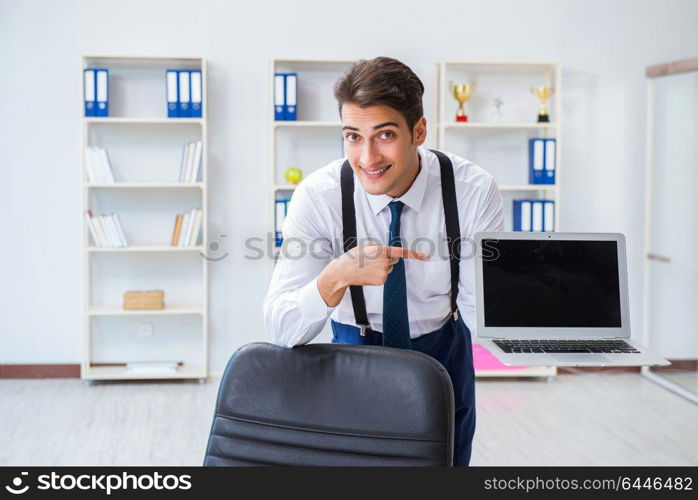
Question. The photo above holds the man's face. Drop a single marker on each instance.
(380, 147)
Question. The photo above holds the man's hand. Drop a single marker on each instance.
(367, 264)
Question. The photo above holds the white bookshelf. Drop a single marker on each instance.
(501, 147)
(310, 142)
(145, 148)
(315, 139)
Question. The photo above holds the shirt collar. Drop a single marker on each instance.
(414, 195)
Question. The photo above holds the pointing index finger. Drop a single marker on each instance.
(405, 253)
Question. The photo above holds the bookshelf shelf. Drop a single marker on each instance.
(146, 149)
(121, 373)
(527, 187)
(501, 147)
(142, 248)
(307, 123)
(147, 185)
(169, 310)
(145, 121)
(498, 125)
(283, 187)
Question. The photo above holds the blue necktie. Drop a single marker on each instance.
(396, 326)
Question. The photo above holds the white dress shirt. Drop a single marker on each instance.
(294, 311)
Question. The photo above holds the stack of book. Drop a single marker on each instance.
(187, 228)
(106, 230)
(98, 166)
(191, 162)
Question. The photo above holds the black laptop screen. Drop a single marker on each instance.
(529, 283)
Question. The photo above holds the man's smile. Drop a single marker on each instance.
(375, 173)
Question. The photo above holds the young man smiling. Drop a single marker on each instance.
(400, 296)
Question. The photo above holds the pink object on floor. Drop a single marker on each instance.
(485, 360)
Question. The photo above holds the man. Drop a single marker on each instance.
(400, 296)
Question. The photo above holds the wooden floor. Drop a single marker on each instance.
(591, 419)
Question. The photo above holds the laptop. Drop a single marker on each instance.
(555, 299)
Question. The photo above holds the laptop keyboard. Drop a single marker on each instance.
(564, 346)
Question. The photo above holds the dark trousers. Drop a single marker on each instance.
(451, 346)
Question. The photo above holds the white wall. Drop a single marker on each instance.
(603, 46)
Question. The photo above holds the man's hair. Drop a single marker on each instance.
(382, 81)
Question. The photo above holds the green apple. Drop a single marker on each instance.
(293, 175)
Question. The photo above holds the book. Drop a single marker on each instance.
(98, 166)
(177, 230)
(183, 162)
(190, 227)
(190, 164)
(120, 230)
(90, 166)
(186, 221)
(196, 227)
(110, 230)
(191, 149)
(105, 165)
(198, 149)
(99, 230)
(92, 229)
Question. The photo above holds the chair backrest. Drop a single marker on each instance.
(332, 405)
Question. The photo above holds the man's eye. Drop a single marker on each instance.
(387, 135)
(352, 137)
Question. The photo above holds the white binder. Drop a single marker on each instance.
(525, 215)
(537, 221)
(549, 216)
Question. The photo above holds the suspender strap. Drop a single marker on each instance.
(448, 194)
(350, 241)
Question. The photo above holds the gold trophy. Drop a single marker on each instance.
(461, 93)
(542, 93)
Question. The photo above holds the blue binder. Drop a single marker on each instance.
(279, 96)
(90, 87)
(537, 218)
(536, 161)
(102, 92)
(196, 89)
(184, 94)
(291, 86)
(550, 157)
(522, 215)
(549, 216)
(279, 216)
(171, 92)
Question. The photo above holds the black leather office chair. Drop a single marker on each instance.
(332, 405)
